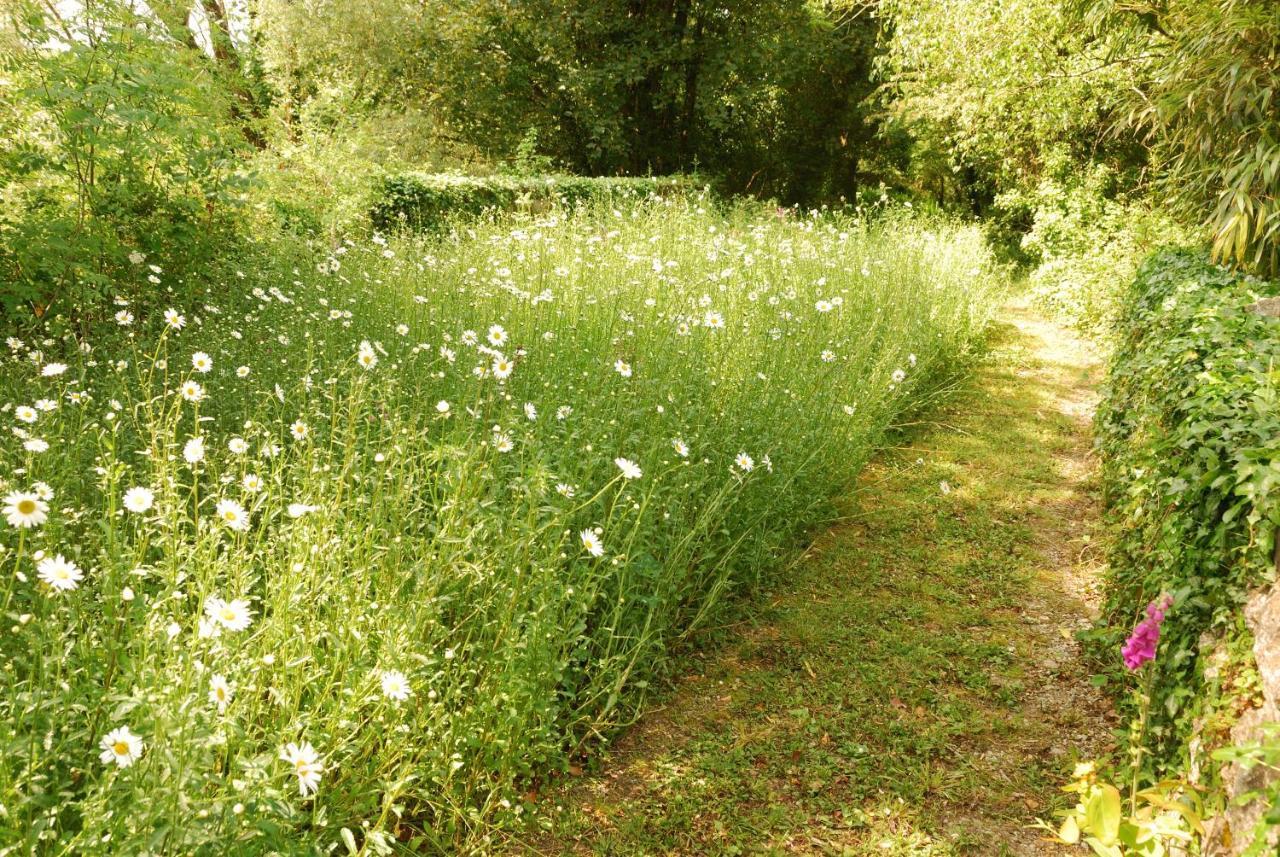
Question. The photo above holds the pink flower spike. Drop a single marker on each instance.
(1141, 645)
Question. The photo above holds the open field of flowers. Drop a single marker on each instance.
(359, 550)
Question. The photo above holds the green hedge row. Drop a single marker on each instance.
(425, 201)
(1189, 434)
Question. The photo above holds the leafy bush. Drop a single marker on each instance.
(430, 202)
(113, 152)
(1205, 101)
(417, 520)
(1085, 243)
(1189, 433)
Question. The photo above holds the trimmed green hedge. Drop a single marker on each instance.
(426, 201)
(1189, 434)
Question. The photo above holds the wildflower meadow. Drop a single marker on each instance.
(352, 551)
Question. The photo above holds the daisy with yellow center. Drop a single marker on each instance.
(307, 766)
(220, 692)
(366, 356)
(59, 573)
(23, 509)
(121, 747)
(233, 515)
(233, 615)
(591, 543)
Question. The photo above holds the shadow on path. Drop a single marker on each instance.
(913, 687)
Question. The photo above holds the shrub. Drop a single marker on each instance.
(1085, 244)
(112, 153)
(427, 202)
(1189, 433)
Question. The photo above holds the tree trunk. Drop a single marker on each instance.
(246, 109)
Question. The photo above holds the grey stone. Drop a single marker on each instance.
(1266, 306)
(1229, 834)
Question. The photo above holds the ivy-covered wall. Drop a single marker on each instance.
(1189, 436)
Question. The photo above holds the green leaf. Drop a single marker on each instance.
(1102, 814)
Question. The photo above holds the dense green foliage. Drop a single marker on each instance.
(245, 161)
(639, 412)
(1175, 103)
(1086, 241)
(1189, 432)
(132, 122)
(1207, 99)
(110, 148)
(433, 201)
(761, 94)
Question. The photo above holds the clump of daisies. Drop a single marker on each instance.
(409, 517)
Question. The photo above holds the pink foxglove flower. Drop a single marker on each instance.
(1141, 645)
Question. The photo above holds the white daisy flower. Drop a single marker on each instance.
(497, 336)
(24, 510)
(191, 391)
(630, 470)
(502, 367)
(395, 686)
(622, 367)
(61, 574)
(53, 369)
(174, 319)
(220, 692)
(681, 448)
(307, 766)
(139, 500)
(299, 430)
(233, 615)
(201, 362)
(744, 462)
(193, 450)
(366, 356)
(591, 543)
(233, 515)
(25, 413)
(120, 746)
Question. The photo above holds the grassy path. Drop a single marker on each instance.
(914, 687)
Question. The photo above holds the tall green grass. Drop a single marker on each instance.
(410, 518)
